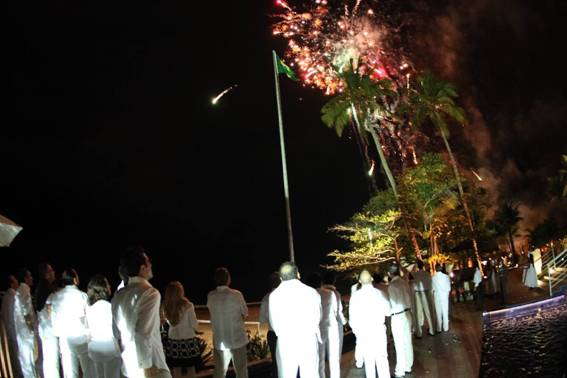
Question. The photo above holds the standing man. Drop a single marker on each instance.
(421, 286)
(49, 343)
(478, 281)
(8, 302)
(441, 288)
(228, 310)
(135, 319)
(357, 356)
(400, 301)
(335, 338)
(295, 314)
(273, 281)
(368, 309)
(25, 324)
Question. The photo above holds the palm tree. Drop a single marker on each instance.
(506, 220)
(434, 100)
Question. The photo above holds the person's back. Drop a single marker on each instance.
(368, 308)
(69, 314)
(228, 310)
(441, 283)
(329, 308)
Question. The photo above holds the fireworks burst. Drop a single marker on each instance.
(324, 39)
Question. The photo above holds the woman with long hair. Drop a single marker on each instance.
(103, 347)
(182, 349)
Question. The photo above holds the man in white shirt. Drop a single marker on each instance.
(25, 324)
(337, 322)
(274, 282)
(368, 309)
(421, 286)
(295, 314)
(441, 288)
(400, 302)
(136, 321)
(69, 322)
(8, 319)
(228, 310)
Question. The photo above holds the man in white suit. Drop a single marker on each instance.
(25, 324)
(421, 287)
(441, 288)
(295, 314)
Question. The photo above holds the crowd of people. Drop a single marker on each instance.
(63, 331)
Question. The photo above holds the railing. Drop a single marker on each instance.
(557, 271)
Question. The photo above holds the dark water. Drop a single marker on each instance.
(526, 345)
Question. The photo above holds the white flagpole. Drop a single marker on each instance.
(284, 165)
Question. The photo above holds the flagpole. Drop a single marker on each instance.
(284, 165)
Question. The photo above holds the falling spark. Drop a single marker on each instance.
(477, 175)
(219, 96)
(371, 170)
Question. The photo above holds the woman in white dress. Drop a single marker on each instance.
(182, 350)
(530, 276)
(103, 347)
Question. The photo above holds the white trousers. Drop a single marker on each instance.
(73, 357)
(422, 313)
(49, 355)
(442, 310)
(239, 361)
(331, 349)
(293, 354)
(374, 351)
(26, 352)
(401, 331)
(107, 369)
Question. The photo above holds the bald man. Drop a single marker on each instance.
(368, 309)
(295, 314)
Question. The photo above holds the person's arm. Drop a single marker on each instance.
(243, 306)
(148, 319)
(264, 311)
(193, 322)
(274, 314)
(353, 315)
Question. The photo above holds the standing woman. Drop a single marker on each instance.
(530, 279)
(182, 352)
(103, 347)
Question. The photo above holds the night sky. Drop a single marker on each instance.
(109, 138)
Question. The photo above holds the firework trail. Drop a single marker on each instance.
(220, 95)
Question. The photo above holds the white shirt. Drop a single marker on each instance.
(329, 308)
(477, 279)
(102, 345)
(8, 301)
(421, 281)
(265, 311)
(340, 315)
(136, 324)
(441, 283)
(187, 325)
(228, 311)
(69, 314)
(400, 297)
(45, 325)
(295, 311)
(368, 308)
(23, 307)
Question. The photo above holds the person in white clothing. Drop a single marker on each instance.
(25, 324)
(69, 319)
(228, 311)
(49, 344)
(358, 360)
(334, 335)
(273, 282)
(441, 288)
(295, 314)
(103, 348)
(400, 302)
(182, 351)
(136, 319)
(530, 274)
(8, 320)
(368, 309)
(421, 287)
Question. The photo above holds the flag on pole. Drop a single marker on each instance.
(285, 69)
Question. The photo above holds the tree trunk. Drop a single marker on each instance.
(383, 161)
(462, 195)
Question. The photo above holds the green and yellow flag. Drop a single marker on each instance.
(285, 69)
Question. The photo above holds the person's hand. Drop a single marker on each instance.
(151, 372)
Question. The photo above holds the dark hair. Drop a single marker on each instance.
(132, 260)
(222, 276)
(123, 273)
(22, 273)
(43, 290)
(69, 276)
(438, 268)
(8, 280)
(97, 289)
(42, 269)
(378, 277)
(329, 278)
(288, 271)
(313, 280)
(274, 280)
(420, 264)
